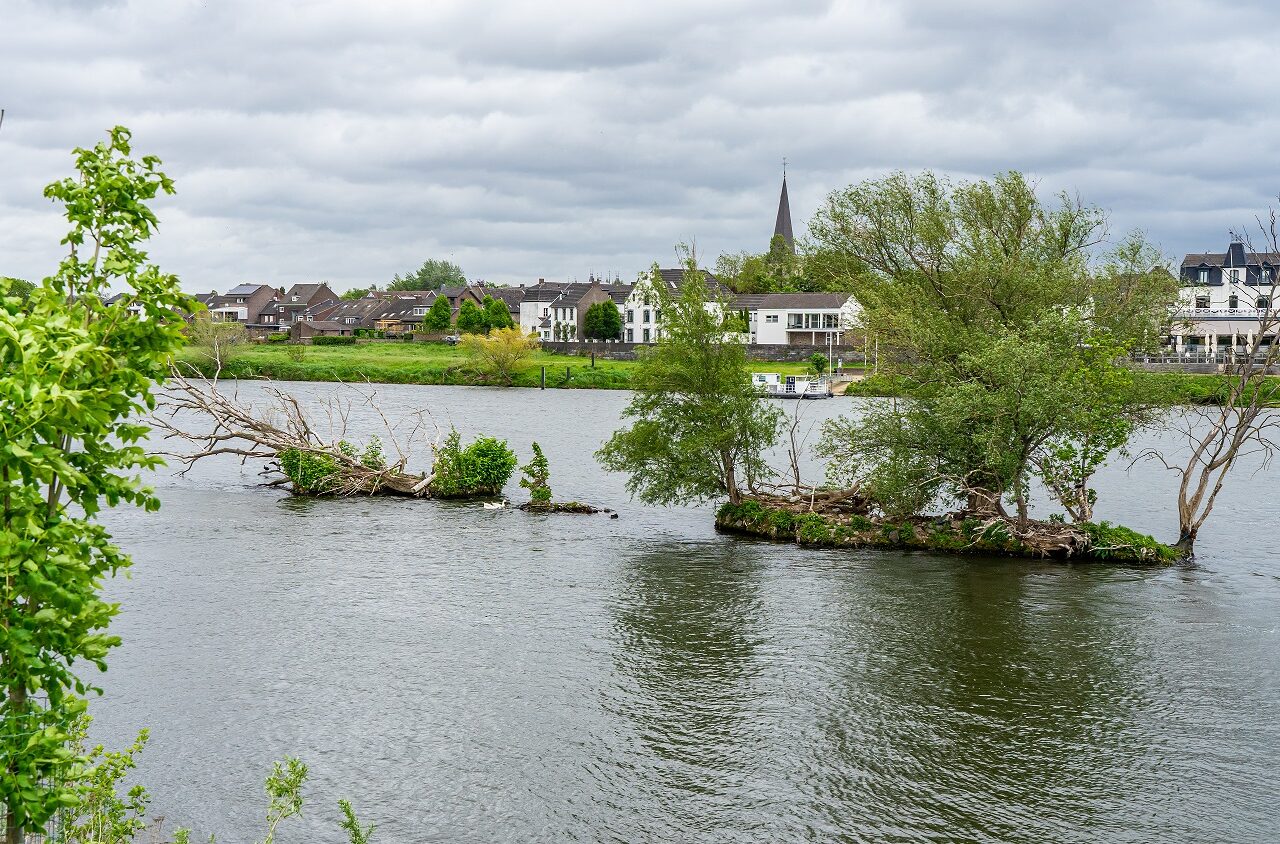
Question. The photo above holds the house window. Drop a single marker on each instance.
(1202, 302)
(645, 316)
(631, 316)
(351, 320)
(294, 299)
(1268, 275)
(1204, 277)
(1264, 302)
(646, 333)
(1233, 276)
(771, 318)
(546, 311)
(1233, 301)
(239, 300)
(631, 333)
(657, 314)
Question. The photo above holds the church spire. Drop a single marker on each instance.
(783, 224)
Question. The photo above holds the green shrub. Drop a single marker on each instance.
(1119, 543)
(278, 337)
(312, 472)
(813, 529)
(861, 523)
(782, 521)
(327, 340)
(479, 470)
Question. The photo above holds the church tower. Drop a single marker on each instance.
(783, 224)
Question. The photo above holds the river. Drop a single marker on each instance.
(465, 675)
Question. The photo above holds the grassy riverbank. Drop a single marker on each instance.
(437, 363)
(423, 363)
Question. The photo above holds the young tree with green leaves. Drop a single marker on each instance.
(439, 316)
(699, 430)
(75, 374)
(496, 314)
(470, 318)
(536, 478)
(498, 355)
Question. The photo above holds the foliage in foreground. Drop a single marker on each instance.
(481, 469)
(76, 375)
(698, 430)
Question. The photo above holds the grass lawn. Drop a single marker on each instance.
(391, 362)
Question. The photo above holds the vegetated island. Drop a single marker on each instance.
(1008, 335)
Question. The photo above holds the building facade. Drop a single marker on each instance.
(1223, 297)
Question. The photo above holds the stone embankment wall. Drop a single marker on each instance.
(627, 351)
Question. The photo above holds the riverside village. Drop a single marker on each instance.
(431, 423)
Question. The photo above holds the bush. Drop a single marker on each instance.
(278, 337)
(1119, 543)
(326, 340)
(480, 470)
(819, 362)
(312, 473)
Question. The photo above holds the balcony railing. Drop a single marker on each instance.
(1207, 313)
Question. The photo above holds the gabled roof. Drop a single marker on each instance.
(304, 292)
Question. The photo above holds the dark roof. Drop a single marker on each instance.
(248, 289)
(325, 324)
(512, 296)
(304, 292)
(782, 226)
(1219, 259)
(779, 301)
(674, 277)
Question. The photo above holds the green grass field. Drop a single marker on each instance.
(423, 363)
(437, 363)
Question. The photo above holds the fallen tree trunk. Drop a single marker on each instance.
(284, 434)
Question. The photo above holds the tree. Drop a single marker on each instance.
(537, 474)
(470, 318)
(432, 275)
(602, 321)
(77, 375)
(1242, 423)
(986, 306)
(358, 292)
(439, 316)
(699, 430)
(499, 355)
(15, 287)
(217, 340)
(496, 313)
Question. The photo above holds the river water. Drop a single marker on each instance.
(465, 675)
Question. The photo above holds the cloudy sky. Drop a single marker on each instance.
(351, 140)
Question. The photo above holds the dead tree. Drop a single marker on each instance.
(1241, 423)
(283, 433)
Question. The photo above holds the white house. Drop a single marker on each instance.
(1224, 294)
(797, 319)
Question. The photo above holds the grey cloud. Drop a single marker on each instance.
(350, 141)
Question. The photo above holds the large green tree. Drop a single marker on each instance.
(16, 287)
(988, 306)
(432, 275)
(75, 375)
(699, 430)
(602, 321)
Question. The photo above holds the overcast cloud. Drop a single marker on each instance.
(348, 141)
